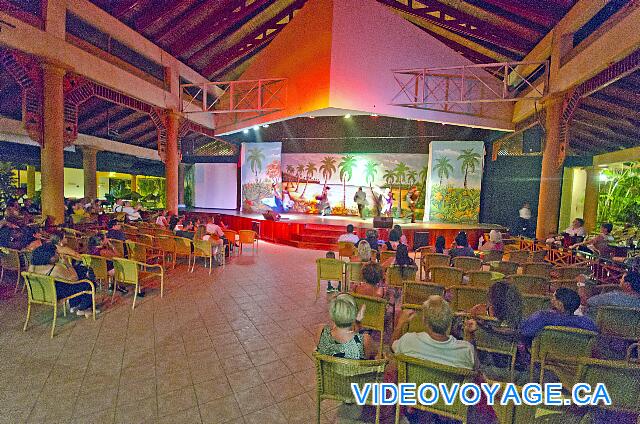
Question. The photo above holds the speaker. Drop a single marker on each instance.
(383, 222)
(271, 216)
(420, 239)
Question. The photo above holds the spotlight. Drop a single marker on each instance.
(265, 126)
(312, 117)
(347, 116)
(245, 131)
(374, 115)
(603, 177)
(256, 128)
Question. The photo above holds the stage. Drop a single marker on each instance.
(318, 232)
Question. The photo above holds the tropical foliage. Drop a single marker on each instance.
(327, 168)
(346, 173)
(443, 167)
(7, 183)
(619, 198)
(255, 158)
(470, 160)
(454, 204)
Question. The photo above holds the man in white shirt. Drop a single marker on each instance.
(525, 219)
(118, 206)
(213, 228)
(361, 200)
(576, 229)
(349, 236)
(436, 344)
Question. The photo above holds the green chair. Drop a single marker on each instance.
(204, 249)
(538, 255)
(416, 324)
(41, 290)
(144, 253)
(446, 276)
(118, 245)
(419, 371)
(571, 272)
(429, 260)
(507, 267)
(396, 275)
(533, 303)
(490, 340)
(530, 284)
(416, 293)
(334, 377)
(386, 254)
(467, 263)
(354, 274)
(480, 278)
(134, 273)
(618, 322)
(492, 256)
(167, 245)
(557, 349)
(329, 270)
(540, 269)
(519, 256)
(10, 260)
(99, 266)
(466, 297)
(184, 248)
(374, 314)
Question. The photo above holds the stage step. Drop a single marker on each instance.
(319, 238)
(318, 246)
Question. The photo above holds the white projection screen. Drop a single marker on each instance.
(216, 185)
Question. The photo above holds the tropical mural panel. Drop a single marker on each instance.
(305, 174)
(454, 181)
(259, 170)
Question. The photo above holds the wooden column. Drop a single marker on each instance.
(89, 165)
(31, 181)
(51, 154)
(590, 214)
(134, 183)
(551, 175)
(172, 160)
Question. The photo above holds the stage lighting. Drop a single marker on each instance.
(256, 128)
(374, 115)
(347, 116)
(245, 131)
(265, 126)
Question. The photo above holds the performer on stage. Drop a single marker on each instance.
(412, 198)
(323, 202)
(387, 202)
(361, 200)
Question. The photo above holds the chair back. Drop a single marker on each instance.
(354, 271)
(374, 313)
(420, 371)
(230, 235)
(118, 245)
(530, 284)
(247, 236)
(429, 260)
(334, 376)
(561, 342)
(396, 275)
(492, 256)
(183, 245)
(446, 276)
(10, 259)
(541, 269)
(467, 263)
(416, 293)
(145, 239)
(203, 248)
(480, 278)
(519, 256)
(126, 271)
(466, 297)
(346, 249)
(98, 264)
(538, 255)
(386, 254)
(619, 322)
(507, 267)
(40, 288)
(489, 340)
(571, 272)
(137, 251)
(166, 244)
(621, 378)
(533, 303)
(567, 284)
(79, 244)
(416, 324)
(329, 269)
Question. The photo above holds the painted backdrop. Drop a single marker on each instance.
(305, 174)
(454, 181)
(259, 170)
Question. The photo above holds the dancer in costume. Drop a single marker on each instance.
(361, 200)
(323, 202)
(412, 198)
(387, 202)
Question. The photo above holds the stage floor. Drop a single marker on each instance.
(302, 218)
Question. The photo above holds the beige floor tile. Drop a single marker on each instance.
(271, 415)
(212, 389)
(273, 370)
(244, 379)
(100, 417)
(254, 399)
(236, 363)
(136, 389)
(285, 387)
(263, 356)
(220, 410)
(178, 400)
(187, 416)
(166, 383)
(298, 362)
(299, 409)
(141, 411)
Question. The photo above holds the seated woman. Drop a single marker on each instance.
(363, 252)
(495, 242)
(371, 236)
(341, 339)
(402, 259)
(59, 240)
(504, 303)
(161, 220)
(461, 246)
(45, 261)
(99, 245)
(373, 274)
(440, 246)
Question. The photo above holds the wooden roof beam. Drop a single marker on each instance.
(621, 125)
(606, 136)
(616, 108)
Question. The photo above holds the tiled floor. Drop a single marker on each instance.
(231, 347)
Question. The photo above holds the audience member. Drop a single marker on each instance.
(114, 231)
(436, 344)
(341, 339)
(372, 238)
(461, 246)
(575, 230)
(118, 206)
(563, 305)
(59, 240)
(372, 274)
(504, 303)
(524, 219)
(627, 297)
(402, 260)
(440, 246)
(173, 222)
(495, 242)
(364, 252)
(350, 236)
(598, 244)
(214, 229)
(161, 220)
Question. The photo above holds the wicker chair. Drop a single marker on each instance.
(119, 246)
(556, 284)
(466, 297)
(329, 270)
(184, 247)
(374, 314)
(168, 247)
(571, 272)
(541, 269)
(144, 253)
(480, 278)
(248, 237)
(492, 256)
(334, 377)
(353, 274)
(533, 303)
(491, 341)
(428, 260)
(418, 371)
(467, 263)
(538, 255)
(204, 249)
(10, 260)
(557, 349)
(416, 324)
(386, 254)
(134, 273)
(396, 275)
(446, 276)
(346, 249)
(416, 293)
(231, 237)
(519, 256)
(99, 266)
(530, 284)
(618, 322)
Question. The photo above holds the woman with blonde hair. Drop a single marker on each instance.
(341, 338)
(495, 242)
(363, 253)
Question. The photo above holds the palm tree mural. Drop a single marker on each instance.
(370, 171)
(310, 169)
(401, 174)
(412, 177)
(291, 170)
(255, 159)
(327, 168)
(389, 177)
(422, 176)
(299, 174)
(443, 167)
(470, 160)
(346, 172)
